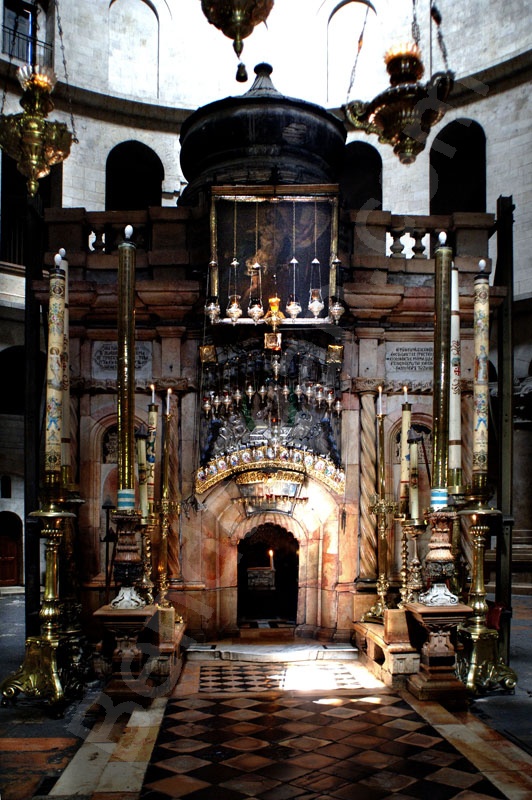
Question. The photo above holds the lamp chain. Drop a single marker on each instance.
(67, 83)
(436, 16)
(415, 24)
(359, 48)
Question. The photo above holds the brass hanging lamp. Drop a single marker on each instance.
(33, 141)
(404, 113)
(237, 19)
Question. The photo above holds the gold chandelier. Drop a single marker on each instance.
(237, 19)
(35, 143)
(404, 113)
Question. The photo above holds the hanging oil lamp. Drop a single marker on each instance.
(237, 19)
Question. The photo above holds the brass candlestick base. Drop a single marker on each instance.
(413, 528)
(479, 664)
(381, 508)
(439, 563)
(128, 565)
(49, 671)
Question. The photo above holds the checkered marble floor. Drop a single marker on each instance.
(252, 677)
(272, 745)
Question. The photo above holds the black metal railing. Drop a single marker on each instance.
(25, 48)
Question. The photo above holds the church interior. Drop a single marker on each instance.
(265, 287)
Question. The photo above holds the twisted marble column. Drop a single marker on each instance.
(368, 482)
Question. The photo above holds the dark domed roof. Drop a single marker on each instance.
(260, 137)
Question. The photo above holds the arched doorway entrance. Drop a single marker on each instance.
(268, 574)
(11, 562)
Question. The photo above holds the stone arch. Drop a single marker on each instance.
(361, 177)
(458, 168)
(313, 524)
(268, 575)
(95, 487)
(134, 176)
(134, 48)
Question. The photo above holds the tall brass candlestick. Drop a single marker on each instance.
(442, 364)
(381, 508)
(128, 562)
(126, 373)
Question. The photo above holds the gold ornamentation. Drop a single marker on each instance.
(29, 138)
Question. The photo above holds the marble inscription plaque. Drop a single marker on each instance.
(105, 359)
(409, 360)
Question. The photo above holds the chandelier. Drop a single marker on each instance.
(404, 113)
(29, 138)
(237, 19)
(35, 143)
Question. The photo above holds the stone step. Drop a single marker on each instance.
(272, 652)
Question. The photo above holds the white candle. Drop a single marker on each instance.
(153, 394)
(455, 395)
(168, 393)
(414, 482)
(143, 477)
(270, 553)
(405, 394)
(379, 402)
(405, 458)
(481, 312)
(54, 372)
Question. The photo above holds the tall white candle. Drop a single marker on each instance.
(481, 313)
(455, 396)
(62, 263)
(150, 455)
(379, 402)
(143, 477)
(414, 481)
(54, 371)
(406, 416)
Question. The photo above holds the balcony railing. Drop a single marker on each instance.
(25, 48)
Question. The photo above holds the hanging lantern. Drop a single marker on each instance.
(404, 113)
(234, 310)
(29, 138)
(316, 303)
(274, 316)
(212, 309)
(255, 308)
(336, 310)
(237, 19)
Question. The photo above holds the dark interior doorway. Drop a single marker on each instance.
(10, 549)
(264, 593)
